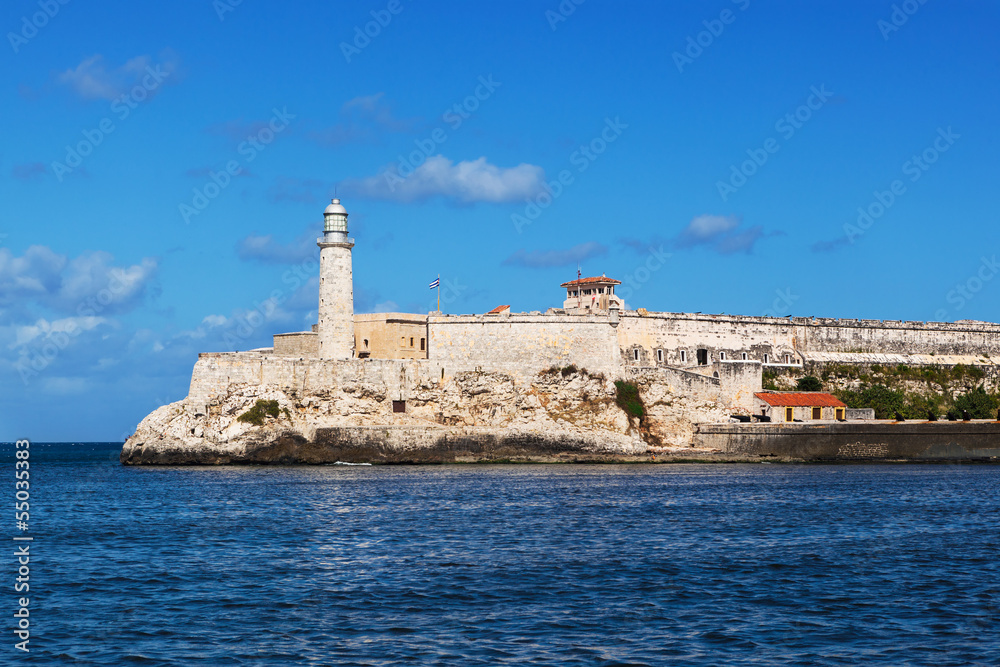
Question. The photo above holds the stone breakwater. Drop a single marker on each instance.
(856, 441)
(415, 411)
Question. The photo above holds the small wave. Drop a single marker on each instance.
(345, 463)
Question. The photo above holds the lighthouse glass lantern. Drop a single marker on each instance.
(335, 218)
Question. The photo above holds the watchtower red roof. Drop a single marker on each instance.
(498, 310)
(603, 280)
(800, 399)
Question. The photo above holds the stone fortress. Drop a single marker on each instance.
(412, 387)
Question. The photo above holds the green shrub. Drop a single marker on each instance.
(885, 401)
(259, 411)
(568, 370)
(628, 399)
(809, 383)
(769, 380)
(979, 404)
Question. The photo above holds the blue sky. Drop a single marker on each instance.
(164, 170)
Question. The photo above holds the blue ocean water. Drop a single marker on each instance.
(484, 565)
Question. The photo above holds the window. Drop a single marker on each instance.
(767, 358)
(703, 357)
(423, 344)
(684, 356)
(366, 342)
(743, 356)
(789, 414)
(722, 356)
(817, 413)
(659, 355)
(716, 375)
(411, 341)
(635, 354)
(788, 358)
(402, 341)
(399, 406)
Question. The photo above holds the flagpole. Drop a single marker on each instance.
(439, 294)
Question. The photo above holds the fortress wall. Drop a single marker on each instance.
(899, 337)
(733, 335)
(298, 344)
(523, 344)
(215, 373)
(674, 332)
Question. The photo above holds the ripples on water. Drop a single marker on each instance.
(483, 565)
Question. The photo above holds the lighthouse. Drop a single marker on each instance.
(336, 286)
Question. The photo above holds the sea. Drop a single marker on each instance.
(650, 564)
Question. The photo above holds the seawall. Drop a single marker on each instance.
(857, 441)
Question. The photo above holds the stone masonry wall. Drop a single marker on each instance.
(299, 344)
(523, 344)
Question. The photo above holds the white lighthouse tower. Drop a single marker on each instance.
(336, 286)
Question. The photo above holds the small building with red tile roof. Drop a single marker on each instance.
(787, 406)
(593, 294)
(499, 310)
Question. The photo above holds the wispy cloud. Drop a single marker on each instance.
(467, 182)
(266, 250)
(363, 118)
(29, 171)
(540, 259)
(830, 246)
(63, 283)
(94, 79)
(722, 233)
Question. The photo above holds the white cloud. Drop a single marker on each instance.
(92, 79)
(467, 182)
(85, 284)
(721, 233)
(42, 328)
(707, 228)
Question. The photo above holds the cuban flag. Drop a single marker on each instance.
(436, 283)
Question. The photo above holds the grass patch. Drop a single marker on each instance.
(260, 410)
(628, 399)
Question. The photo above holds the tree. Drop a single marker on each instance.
(979, 404)
(809, 383)
(885, 401)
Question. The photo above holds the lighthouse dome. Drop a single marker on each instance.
(335, 207)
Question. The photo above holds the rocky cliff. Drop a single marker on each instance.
(556, 414)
